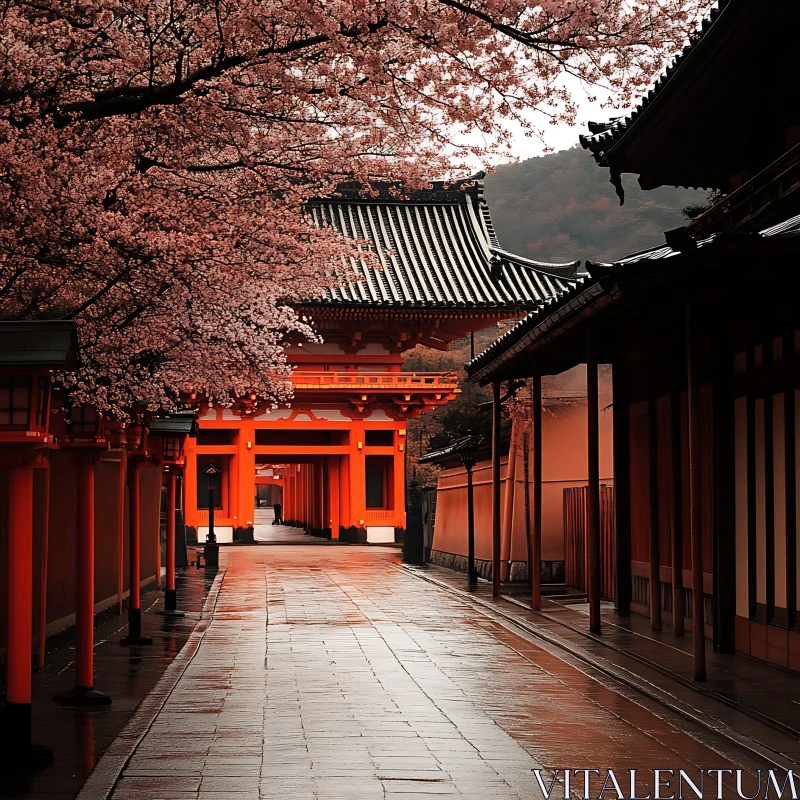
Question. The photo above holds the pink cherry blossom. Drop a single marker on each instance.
(157, 155)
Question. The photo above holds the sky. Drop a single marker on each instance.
(561, 137)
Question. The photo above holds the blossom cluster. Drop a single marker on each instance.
(157, 156)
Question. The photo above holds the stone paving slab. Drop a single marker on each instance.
(660, 665)
(330, 673)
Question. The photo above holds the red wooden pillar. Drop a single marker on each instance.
(123, 477)
(344, 492)
(319, 492)
(288, 494)
(134, 636)
(43, 567)
(307, 496)
(17, 730)
(399, 480)
(333, 491)
(84, 692)
(357, 477)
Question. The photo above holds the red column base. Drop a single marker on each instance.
(83, 696)
(171, 605)
(16, 749)
(134, 636)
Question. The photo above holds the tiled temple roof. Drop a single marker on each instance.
(604, 135)
(437, 249)
(587, 289)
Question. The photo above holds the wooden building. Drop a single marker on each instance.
(442, 274)
(564, 475)
(703, 334)
(80, 532)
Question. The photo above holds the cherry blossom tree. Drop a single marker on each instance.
(157, 155)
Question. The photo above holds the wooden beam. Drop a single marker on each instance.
(695, 527)
(593, 518)
(300, 450)
(496, 409)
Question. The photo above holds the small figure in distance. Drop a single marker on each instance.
(278, 508)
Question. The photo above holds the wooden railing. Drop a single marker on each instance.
(774, 182)
(576, 542)
(392, 381)
(380, 513)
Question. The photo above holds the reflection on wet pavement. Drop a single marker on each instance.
(78, 736)
(329, 673)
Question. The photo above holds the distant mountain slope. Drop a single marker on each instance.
(561, 207)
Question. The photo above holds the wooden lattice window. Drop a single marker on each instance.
(15, 401)
(84, 421)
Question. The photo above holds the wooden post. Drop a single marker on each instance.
(622, 503)
(17, 748)
(344, 492)
(357, 475)
(170, 595)
(134, 636)
(123, 477)
(84, 600)
(507, 529)
(20, 608)
(536, 544)
(526, 489)
(399, 477)
(496, 489)
(593, 516)
(678, 609)
(695, 532)
(190, 510)
(245, 490)
(44, 563)
(655, 561)
(333, 491)
(472, 573)
(84, 692)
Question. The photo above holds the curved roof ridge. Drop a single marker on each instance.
(540, 266)
(604, 135)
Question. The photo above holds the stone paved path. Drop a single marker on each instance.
(329, 673)
(265, 532)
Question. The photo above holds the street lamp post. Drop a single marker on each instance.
(468, 453)
(211, 548)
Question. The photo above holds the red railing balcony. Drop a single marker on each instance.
(405, 382)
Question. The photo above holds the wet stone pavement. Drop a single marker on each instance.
(331, 673)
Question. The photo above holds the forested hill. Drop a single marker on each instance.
(561, 207)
